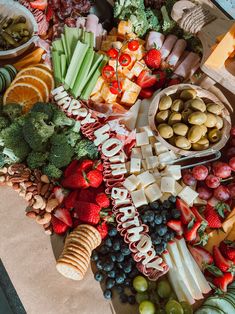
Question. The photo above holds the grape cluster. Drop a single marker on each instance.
(156, 215)
(115, 267)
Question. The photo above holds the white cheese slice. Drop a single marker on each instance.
(142, 139)
(139, 198)
(188, 195)
(173, 155)
(144, 164)
(168, 185)
(146, 178)
(131, 183)
(137, 68)
(136, 152)
(159, 148)
(156, 174)
(130, 119)
(153, 192)
(142, 119)
(135, 165)
(174, 171)
(164, 157)
(178, 188)
(146, 150)
(152, 162)
(146, 129)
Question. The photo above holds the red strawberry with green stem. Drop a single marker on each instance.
(63, 214)
(102, 200)
(59, 227)
(71, 199)
(97, 165)
(223, 281)
(153, 58)
(221, 262)
(161, 78)
(95, 178)
(186, 213)
(86, 165)
(76, 181)
(146, 79)
(88, 212)
(227, 248)
(190, 234)
(71, 168)
(176, 225)
(103, 229)
(212, 217)
(201, 256)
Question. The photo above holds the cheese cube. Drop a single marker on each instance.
(168, 185)
(174, 171)
(124, 27)
(131, 36)
(106, 45)
(165, 197)
(146, 178)
(188, 195)
(97, 97)
(129, 98)
(107, 95)
(178, 188)
(152, 162)
(139, 53)
(144, 164)
(137, 68)
(156, 174)
(164, 158)
(128, 85)
(117, 45)
(146, 129)
(142, 139)
(139, 198)
(131, 183)
(98, 85)
(126, 72)
(173, 155)
(153, 192)
(199, 201)
(136, 152)
(135, 165)
(133, 60)
(159, 148)
(111, 38)
(146, 151)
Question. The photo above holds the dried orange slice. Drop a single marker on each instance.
(35, 81)
(24, 94)
(43, 66)
(40, 73)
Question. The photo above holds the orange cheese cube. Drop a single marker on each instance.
(128, 73)
(131, 36)
(128, 85)
(98, 85)
(111, 38)
(129, 98)
(139, 53)
(107, 95)
(124, 27)
(138, 67)
(97, 97)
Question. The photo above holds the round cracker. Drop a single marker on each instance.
(80, 236)
(77, 254)
(69, 271)
(83, 243)
(95, 233)
(78, 260)
(77, 248)
(77, 264)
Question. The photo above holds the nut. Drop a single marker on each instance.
(31, 214)
(37, 174)
(3, 170)
(44, 219)
(2, 179)
(48, 231)
(22, 193)
(45, 179)
(44, 189)
(16, 186)
(39, 187)
(28, 196)
(32, 188)
(9, 183)
(46, 225)
(17, 179)
(51, 205)
(28, 184)
(39, 202)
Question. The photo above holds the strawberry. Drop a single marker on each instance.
(191, 234)
(176, 225)
(63, 215)
(186, 213)
(161, 78)
(70, 199)
(86, 195)
(39, 4)
(153, 58)
(173, 81)
(201, 256)
(146, 93)
(71, 168)
(76, 222)
(197, 214)
(97, 165)
(128, 147)
(146, 79)
(88, 212)
(60, 193)
(86, 165)
(49, 13)
(76, 181)
(227, 248)
(103, 229)
(95, 178)
(222, 263)
(58, 226)
(212, 217)
(102, 200)
(223, 281)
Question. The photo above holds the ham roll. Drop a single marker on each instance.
(168, 46)
(176, 53)
(185, 67)
(154, 40)
(92, 23)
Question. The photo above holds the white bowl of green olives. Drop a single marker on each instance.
(187, 119)
(18, 29)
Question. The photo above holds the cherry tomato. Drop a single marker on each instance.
(115, 87)
(108, 72)
(112, 53)
(125, 59)
(133, 45)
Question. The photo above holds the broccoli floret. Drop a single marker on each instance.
(4, 122)
(61, 156)
(36, 160)
(60, 119)
(52, 171)
(139, 22)
(46, 108)
(12, 111)
(58, 139)
(153, 23)
(126, 7)
(36, 131)
(168, 24)
(86, 148)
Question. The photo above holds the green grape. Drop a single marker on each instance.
(146, 307)
(164, 289)
(141, 297)
(140, 284)
(186, 307)
(173, 307)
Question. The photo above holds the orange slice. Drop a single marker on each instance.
(35, 81)
(40, 73)
(24, 94)
(43, 66)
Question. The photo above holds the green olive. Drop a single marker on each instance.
(187, 104)
(175, 117)
(177, 105)
(219, 123)
(182, 142)
(187, 94)
(197, 118)
(202, 144)
(185, 114)
(171, 140)
(198, 104)
(165, 130)
(204, 129)
(165, 103)
(211, 120)
(180, 129)
(214, 135)
(162, 116)
(194, 134)
(214, 108)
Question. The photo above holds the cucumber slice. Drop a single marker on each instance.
(84, 70)
(56, 66)
(71, 39)
(58, 46)
(206, 309)
(63, 66)
(75, 64)
(221, 303)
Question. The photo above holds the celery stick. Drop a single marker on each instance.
(75, 64)
(95, 63)
(71, 38)
(92, 40)
(91, 84)
(56, 66)
(57, 45)
(63, 63)
(82, 74)
(79, 33)
(64, 45)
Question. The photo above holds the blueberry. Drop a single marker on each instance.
(123, 298)
(127, 268)
(119, 289)
(94, 256)
(128, 282)
(160, 247)
(166, 204)
(158, 219)
(119, 257)
(108, 266)
(175, 213)
(131, 299)
(113, 257)
(104, 250)
(132, 290)
(144, 220)
(161, 230)
(108, 294)
(156, 239)
(99, 264)
(171, 234)
(112, 232)
(108, 242)
(125, 250)
(116, 245)
(154, 205)
(172, 199)
(149, 215)
(167, 237)
(110, 282)
(119, 265)
(134, 273)
(99, 276)
(120, 278)
(112, 274)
